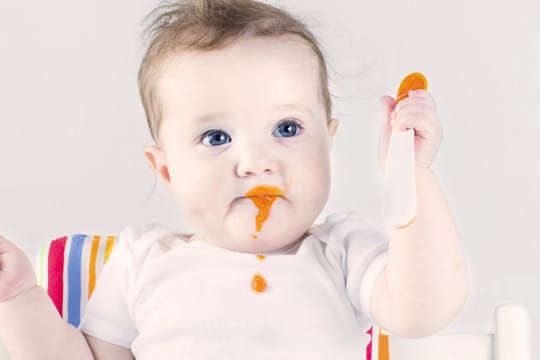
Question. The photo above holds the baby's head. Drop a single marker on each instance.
(236, 96)
(205, 25)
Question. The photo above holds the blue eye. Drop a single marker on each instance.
(287, 129)
(215, 138)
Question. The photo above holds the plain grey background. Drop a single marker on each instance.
(72, 129)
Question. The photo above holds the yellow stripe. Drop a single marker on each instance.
(384, 352)
(92, 270)
(108, 248)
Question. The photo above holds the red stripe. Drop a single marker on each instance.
(55, 287)
(369, 346)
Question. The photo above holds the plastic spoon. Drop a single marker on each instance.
(399, 188)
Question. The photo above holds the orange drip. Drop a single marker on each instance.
(407, 224)
(258, 283)
(413, 81)
(261, 257)
(263, 196)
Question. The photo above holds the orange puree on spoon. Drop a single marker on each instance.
(263, 196)
(413, 81)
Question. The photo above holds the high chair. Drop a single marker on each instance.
(509, 340)
(68, 268)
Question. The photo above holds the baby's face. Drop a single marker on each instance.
(248, 115)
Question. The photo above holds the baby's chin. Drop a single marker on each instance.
(238, 229)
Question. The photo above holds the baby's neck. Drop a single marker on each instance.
(289, 249)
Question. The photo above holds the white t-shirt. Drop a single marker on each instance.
(168, 296)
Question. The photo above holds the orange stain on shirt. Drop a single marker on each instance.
(258, 283)
(261, 257)
(263, 196)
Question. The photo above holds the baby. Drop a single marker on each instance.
(236, 97)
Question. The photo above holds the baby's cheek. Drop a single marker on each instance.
(321, 189)
(315, 184)
(192, 196)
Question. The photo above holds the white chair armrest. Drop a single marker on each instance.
(3, 351)
(464, 346)
(512, 340)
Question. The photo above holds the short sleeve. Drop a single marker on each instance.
(107, 315)
(363, 249)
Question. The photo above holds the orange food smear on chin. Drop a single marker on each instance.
(263, 196)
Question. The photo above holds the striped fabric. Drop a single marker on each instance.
(68, 268)
(378, 347)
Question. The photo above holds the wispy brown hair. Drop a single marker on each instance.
(209, 25)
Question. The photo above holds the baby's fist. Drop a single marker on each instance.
(16, 272)
(418, 112)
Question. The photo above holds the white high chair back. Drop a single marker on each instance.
(508, 341)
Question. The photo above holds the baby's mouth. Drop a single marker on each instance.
(264, 191)
(263, 196)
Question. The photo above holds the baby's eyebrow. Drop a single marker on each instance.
(292, 106)
(209, 117)
(281, 107)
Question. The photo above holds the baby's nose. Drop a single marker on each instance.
(255, 162)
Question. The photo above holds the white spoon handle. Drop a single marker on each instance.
(399, 191)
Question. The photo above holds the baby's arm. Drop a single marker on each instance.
(104, 350)
(30, 326)
(425, 282)
(32, 329)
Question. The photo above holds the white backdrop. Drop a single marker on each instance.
(72, 129)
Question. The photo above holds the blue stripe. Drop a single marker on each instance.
(74, 280)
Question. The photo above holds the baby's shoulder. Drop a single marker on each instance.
(347, 220)
(148, 240)
(342, 226)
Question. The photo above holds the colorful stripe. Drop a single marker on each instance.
(74, 280)
(378, 347)
(384, 352)
(92, 266)
(109, 248)
(55, 271)
(370, 344)
(68, 269)
(85, 270)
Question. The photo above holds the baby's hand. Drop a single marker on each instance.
(416, 112)
(16, 272)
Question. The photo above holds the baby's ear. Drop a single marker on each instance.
(156, 158)
(332, 128)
